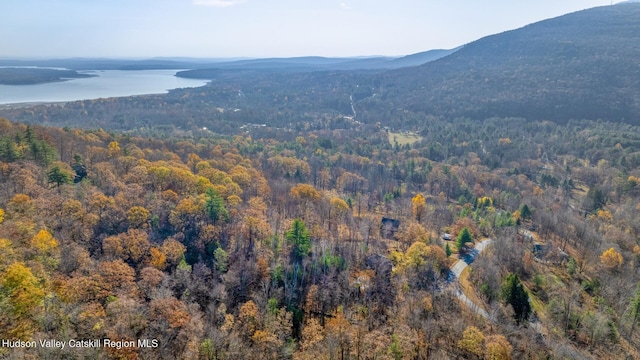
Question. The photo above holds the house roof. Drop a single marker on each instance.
(392, 222)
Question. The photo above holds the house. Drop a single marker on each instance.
(81, 172)
(539, 249)
(388, 227)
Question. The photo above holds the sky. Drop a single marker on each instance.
(259, 28)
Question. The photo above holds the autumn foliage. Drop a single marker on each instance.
(611, 259)
(271, 245)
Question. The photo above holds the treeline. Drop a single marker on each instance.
(31, 76)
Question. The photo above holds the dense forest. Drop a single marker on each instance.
(272, 245)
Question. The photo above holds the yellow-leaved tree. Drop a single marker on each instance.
(611, 259)
(46, 248)
(44, 241)
(419, 207)
(497, 348)
(138, 216)
(114, 149)
(21, 298)
(472, 341)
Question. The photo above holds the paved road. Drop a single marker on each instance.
(456, 270)
(454, 275)
(471, 255)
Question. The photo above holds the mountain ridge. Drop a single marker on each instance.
(554, 69)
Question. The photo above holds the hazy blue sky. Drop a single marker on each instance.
(258, 28)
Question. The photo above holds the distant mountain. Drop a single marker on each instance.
(103, 64)
(314, 63)
(421, 58)
(584, 65)
(302, 64)
(204, 68)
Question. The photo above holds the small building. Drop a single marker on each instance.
(539, 249)
(81, 172)
(388, 227)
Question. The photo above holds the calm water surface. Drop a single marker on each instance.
(108, 83)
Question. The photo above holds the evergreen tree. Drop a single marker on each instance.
(463, 238)
(58, 176)
(28, 135)
(516, 295)
(8, 150)
(300, 238)
(215, 207)
(222, 259)
(597, 197)
(525, 212)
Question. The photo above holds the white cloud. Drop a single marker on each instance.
(345, 6)
(218, 3)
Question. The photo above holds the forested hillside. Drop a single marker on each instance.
(582, 65)
(272, 244)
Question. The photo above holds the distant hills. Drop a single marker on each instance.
(30, 76)
(294, 64)
(308, 64)
(584, 65)
(421, 58)
(113, 64)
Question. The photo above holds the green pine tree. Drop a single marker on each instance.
(58, 176)
(222, 259)
(525, 212)
(215, 207)
(299, 237)
(463, 237)
(8, 150)
(514, 293)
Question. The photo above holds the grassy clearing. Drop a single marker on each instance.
(403, 138)
(467, 286)
(538, 306)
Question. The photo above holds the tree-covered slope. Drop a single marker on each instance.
(581, 65)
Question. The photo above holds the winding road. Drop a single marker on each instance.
(456, 270)
(454, 276)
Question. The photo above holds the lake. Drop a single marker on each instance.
(107, 83)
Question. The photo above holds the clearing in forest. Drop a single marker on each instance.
(403, 138)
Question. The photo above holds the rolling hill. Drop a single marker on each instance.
(584, 65)
(314, 63)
